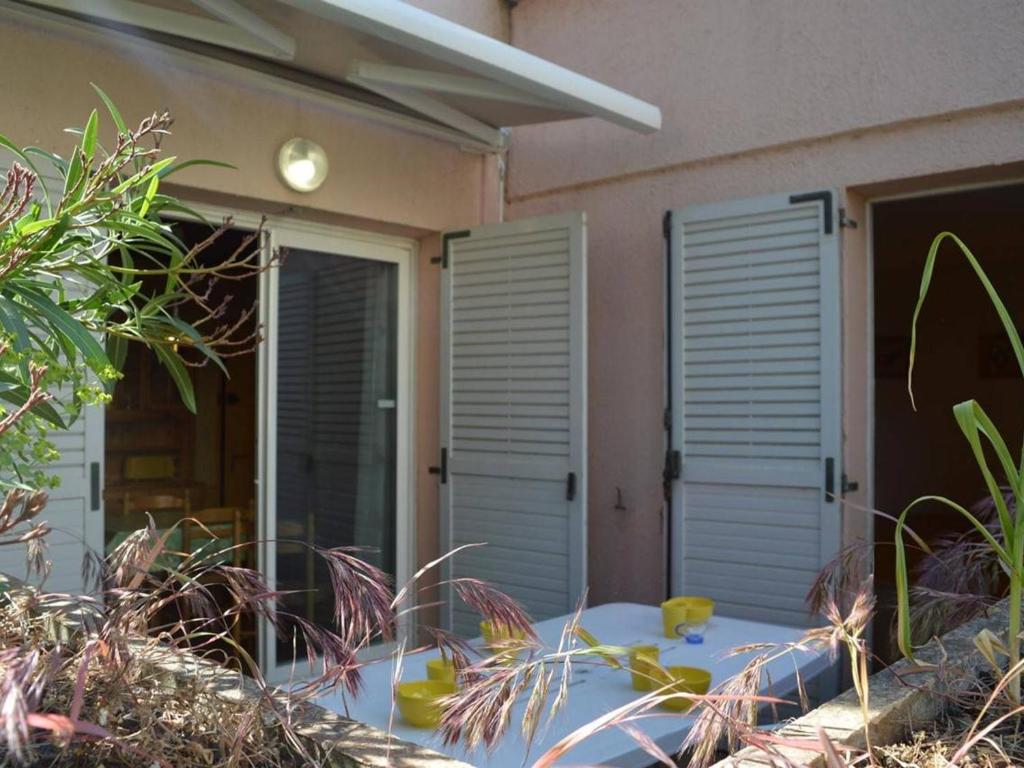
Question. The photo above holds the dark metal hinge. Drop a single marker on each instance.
(445, 240)
(570, 486)
(666, 419)
(845, 221)
(825, 198)
(673, 465)
(666, 224)
(443, 469)
(846, 485)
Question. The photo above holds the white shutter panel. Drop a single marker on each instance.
(755, 401)
(75, 508)
(513, 412)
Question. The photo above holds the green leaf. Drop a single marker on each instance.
(147, 199)
(903, 628)
(197, 341)
(17, 397)
(926, 279)
(114, 113)
(142, 176)
(975, 423)
(74, 175)
(117, 351)
(94, 354)
(179, 373)
(10, 318)
(58, 162)
(89, 135)
(190, 163)
(16, 150)
(36, 226)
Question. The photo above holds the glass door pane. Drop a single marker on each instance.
(336, 427)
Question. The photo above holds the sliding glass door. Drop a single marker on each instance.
(335, 422)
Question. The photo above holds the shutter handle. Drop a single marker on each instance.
(570, 486)
(94, 486)
(830, 480)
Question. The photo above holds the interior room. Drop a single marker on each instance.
(962, 353)
(163, 460)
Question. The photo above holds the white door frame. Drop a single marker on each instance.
(286, 232)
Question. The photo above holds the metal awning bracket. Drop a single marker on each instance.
(433, 108)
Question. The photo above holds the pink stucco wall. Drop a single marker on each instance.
(757, 98)
(488, 17)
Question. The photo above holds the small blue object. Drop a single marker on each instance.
(695, 639)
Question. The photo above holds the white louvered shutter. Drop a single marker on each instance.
(756, 406)
(75, 508)
(513, 412)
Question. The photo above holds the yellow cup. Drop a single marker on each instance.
(441, 669)
(678, 613)
(683, 680)
(644, 667)
(419, 701)
(497, 638)
(499, 633)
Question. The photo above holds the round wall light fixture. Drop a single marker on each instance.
(302, 164)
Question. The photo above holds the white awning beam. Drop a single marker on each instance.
(436, 110)
(440, 82)
(429, 35)
(235, 35)
(231, 12)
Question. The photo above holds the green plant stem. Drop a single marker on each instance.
(1013, 641)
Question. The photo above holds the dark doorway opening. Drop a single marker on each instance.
(963, 353)
(165, 461)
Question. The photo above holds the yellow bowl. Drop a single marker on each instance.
(678, 612)
(644, 667)
(683, 680)
(441, 669)
(419, 701)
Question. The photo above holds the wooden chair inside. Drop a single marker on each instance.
(213, 530)
(166, 508)
(224, 523)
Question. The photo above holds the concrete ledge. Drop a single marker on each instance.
(902, 698)
(348, 743)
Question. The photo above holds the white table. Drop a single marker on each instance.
(596, 689)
